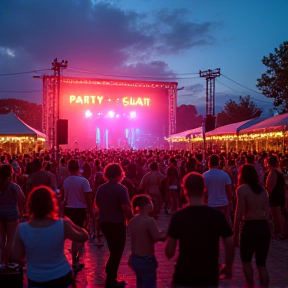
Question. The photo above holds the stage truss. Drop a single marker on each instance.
(51, 100)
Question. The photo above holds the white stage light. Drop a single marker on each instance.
(111, 114)
(88, 114)
(133, 114)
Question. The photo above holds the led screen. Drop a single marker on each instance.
(114, 116)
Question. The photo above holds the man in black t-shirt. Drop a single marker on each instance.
(198, 229)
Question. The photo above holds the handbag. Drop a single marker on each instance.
(11, 277)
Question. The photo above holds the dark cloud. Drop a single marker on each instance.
(196, 88)
(99, 37)
(178, 32)
(102, 33)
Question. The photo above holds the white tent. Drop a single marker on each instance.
(18, 137)
(182, 136)
(234, 128)
(276, 123)
(11, 125)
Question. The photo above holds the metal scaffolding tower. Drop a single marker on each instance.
(210, 76)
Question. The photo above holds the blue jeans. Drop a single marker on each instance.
(145, 269)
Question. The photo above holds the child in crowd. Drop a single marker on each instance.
(144, 233)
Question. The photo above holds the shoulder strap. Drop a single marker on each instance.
(22, 230)
(61, 220)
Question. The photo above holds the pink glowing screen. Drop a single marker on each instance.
(108, 113)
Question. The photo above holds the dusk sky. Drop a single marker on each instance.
(172, 38)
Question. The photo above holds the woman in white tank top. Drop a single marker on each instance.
(41, 241)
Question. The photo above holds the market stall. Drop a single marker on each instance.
(17, 137)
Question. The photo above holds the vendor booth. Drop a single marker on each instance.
(17, 137)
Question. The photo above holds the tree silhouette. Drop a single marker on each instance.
(186, 118)
(236, 112)
(274, 82)
(30, 113)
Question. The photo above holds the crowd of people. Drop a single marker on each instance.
(237, 197)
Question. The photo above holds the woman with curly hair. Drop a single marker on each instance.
(41, 241)
(113, 205)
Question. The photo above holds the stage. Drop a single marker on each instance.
(105, 113)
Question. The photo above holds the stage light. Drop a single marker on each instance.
(111, 114)
(99, 114)
(137, 130)
(117, 115)
(133, 114)
(106, 138)
(88, 114)
(109, 100)
(98, 139)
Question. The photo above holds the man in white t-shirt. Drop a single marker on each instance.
(219, 188)
(77, 202)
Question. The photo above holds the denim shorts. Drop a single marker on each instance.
(145, 269)
(9, 216)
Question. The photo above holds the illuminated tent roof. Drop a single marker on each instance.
(278, 122)
(195, 131)
(11, 125)
(235, 128)
(178, 135)
(185, 134)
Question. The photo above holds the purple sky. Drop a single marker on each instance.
(143, 37)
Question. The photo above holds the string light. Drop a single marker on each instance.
(229, 137)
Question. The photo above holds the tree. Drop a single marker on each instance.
(30, 113)
(236, 112)
(186, 118)
(274, 82)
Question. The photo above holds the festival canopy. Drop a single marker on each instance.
(235, 128)
(11, 125)
(276, 123)
(195, 132)
(182, 136)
